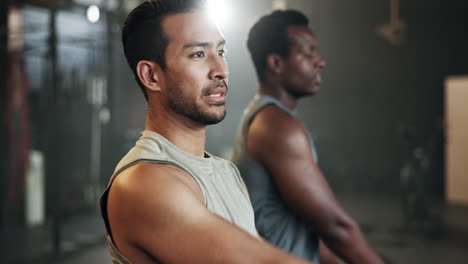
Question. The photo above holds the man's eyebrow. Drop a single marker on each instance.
(203, 44)
(197, 44)
(221, 42)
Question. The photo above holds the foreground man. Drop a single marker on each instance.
(169, 201)
(294, 206)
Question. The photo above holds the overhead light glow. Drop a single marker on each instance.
(219, 11)
(279, 4)
(93, 13)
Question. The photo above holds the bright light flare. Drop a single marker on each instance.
(219, 11)
(93, 14)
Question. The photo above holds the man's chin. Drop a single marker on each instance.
(314, 90)
(212, 118)
(218, 119)
(309, 92)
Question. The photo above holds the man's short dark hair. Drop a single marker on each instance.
(142, 35)
(270, 36)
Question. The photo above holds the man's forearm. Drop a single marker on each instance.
(347, 241)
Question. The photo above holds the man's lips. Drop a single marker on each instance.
(216, 95)
(318, 79)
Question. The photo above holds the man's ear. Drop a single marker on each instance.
(275, 64)
(148, 73)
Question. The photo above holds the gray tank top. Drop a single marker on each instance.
(219, 180)
(274, 221)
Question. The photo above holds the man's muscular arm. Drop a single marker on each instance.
(280, 142)
(156, 212)
(326, 256)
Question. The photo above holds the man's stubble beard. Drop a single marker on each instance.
(304, 90)
(182, 105)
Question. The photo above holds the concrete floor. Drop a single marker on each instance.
(94, 255)
(381, 221)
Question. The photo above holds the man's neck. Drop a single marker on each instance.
(186, 134)
(277, 91)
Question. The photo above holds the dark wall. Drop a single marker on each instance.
(373, 89)
(4, 154)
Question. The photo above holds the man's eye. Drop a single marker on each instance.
(199, 54)
(222, 52)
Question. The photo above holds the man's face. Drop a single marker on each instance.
(196, 74)
(303, 66)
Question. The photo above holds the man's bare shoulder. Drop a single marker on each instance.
(272, 120)
(273, 125)
(147, 180)
(147, 198)
(148, 191)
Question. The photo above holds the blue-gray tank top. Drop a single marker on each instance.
(274, 220)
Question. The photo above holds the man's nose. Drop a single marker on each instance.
(219, 69)
(321, 63)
